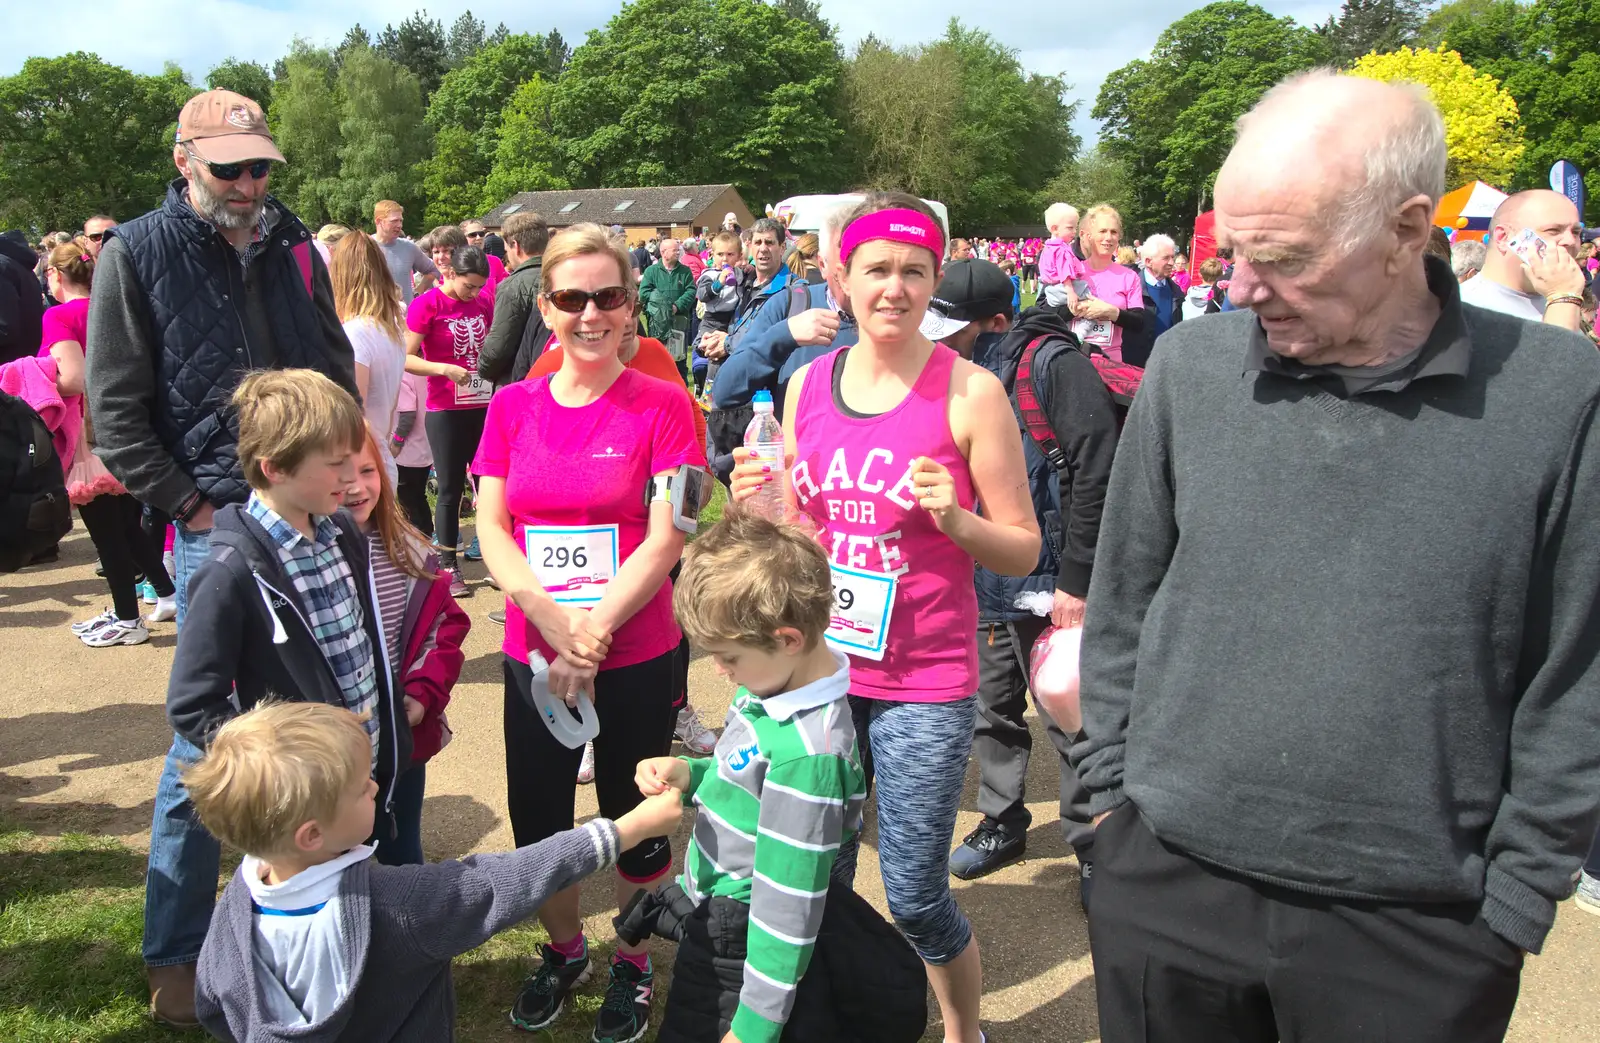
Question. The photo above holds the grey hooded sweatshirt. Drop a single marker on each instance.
(400, 927)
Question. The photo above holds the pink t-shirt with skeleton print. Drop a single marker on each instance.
(452, 332)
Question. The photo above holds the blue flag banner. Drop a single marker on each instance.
(1566, 178)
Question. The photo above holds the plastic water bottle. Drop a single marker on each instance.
(764, 438)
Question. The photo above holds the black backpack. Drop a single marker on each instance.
(34, 510)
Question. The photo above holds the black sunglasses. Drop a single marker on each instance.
(574, 301)
(259, 168)
(95, 237)
(474, 235)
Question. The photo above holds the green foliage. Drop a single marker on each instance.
(80, 136)
(1555, 79)
(419, 45)
(304, 120)
(1365, 26)
(382, 138)
(700, 92)
(528, 157)
(958, 121)
(557, 55)
(452, 178)
(472, 95)
(248, 78)
(465, 40)
(1089, 180)
(1169, 119)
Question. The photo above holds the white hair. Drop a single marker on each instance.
(832, 226)
(1056, 213)
(1467, 255)
(1155, 244)
(1402, 157)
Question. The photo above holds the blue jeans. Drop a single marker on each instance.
(915, 756)
(406, 847)
(180, 884)
(189, 549)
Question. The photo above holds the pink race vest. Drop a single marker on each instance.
(852, 476)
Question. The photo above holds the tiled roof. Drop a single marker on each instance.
(661, 205)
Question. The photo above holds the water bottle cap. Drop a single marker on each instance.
(762, 396)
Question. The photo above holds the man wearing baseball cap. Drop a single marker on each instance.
(1067, 479)
(218, 280)
(971, 302)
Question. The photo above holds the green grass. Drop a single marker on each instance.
(71, 915)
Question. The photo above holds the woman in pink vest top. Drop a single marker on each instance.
(895, 443)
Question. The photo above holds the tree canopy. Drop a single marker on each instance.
(1169, 118)
(1480, 119)
(959, 121)
(80, 136)
(702, 92)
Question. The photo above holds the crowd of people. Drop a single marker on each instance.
(1321, 510)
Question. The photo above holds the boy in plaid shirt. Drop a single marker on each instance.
(284, 605)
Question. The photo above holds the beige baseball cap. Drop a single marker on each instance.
(224, 127)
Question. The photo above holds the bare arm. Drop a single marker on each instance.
(1005, 537)
(641, 576)
(69, 367)
(415, 363)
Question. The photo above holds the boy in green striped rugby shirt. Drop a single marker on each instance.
(783, 788)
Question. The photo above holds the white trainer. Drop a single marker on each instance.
(695, 736)
(117, 632)
(586, 769)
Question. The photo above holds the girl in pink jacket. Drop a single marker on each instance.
(423, 631)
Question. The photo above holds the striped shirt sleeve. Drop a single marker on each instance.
(801, 823)
(698, 766)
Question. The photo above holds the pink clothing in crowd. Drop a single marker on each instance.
(852, 476)
(66, 321)
(590, 466)
(452, 332)
(1057, 263)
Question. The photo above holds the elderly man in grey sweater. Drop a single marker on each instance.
(1340, 692)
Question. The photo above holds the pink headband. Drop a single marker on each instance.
(898, 226)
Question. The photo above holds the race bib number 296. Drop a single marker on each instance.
(862, 604)
(573, 563)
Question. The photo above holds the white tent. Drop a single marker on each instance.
(1470, 206)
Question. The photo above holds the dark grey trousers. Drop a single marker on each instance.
(1002, 743)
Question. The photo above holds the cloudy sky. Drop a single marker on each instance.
(143, 34)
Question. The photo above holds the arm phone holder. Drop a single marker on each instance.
(571, 725)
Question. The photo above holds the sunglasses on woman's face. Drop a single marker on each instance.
(574, 301)
(259, 168)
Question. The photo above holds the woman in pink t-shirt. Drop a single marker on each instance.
(112, 516)
(445, 330)
(896, 442)
(576, 529)
(1110, 297)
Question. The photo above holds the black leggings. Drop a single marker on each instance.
(634, 704)
(412, 493)
(453, 434)
(125, 550)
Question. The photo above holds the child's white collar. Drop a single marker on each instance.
(808, 697)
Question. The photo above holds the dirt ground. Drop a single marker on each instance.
(82, 734)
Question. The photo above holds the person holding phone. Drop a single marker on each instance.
(576, 521)
(1531, 269)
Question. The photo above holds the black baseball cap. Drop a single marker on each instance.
(969, 290)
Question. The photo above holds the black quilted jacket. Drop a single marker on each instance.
(175, 322)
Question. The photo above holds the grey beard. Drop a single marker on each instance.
(215, 209)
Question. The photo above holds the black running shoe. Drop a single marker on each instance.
(989, 847)
(625, 1015)
(545, 993)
